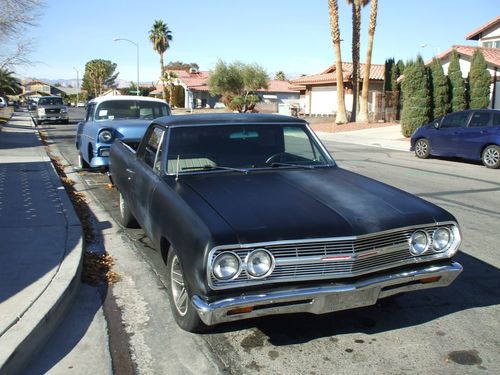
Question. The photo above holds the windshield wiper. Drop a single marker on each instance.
(214, 167)
(279, 164)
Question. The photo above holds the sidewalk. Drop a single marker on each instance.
(41, 245)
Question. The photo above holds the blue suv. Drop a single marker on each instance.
(473, 134)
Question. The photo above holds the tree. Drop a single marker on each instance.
(363, 104)
(389, 67)
(479, 81)
(416, 97)
(237, 83)
(439, 89)
(179, 65)
(99, 75)
(9, 85)
(280, 76)
(333, 10)
(161, 36)
(170, 78)
(356, 30)
(457, 84)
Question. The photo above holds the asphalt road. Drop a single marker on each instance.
(447, 331)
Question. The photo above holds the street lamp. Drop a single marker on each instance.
(137, 46)
(77, 86)
(438, 50)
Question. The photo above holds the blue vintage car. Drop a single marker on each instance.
(114, 117)
(473, 134)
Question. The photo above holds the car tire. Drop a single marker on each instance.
(127, 219)
(491, 156)
(180, 301)
(38, 122)
(82, 164)
(422, 148)
(65, 122)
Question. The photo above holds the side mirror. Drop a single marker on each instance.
(436, 125)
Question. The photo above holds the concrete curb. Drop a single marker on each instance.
(28, 335)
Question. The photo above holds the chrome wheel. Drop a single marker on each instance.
(422, 148)
(179, 292)
(122, 206)
(491, 156)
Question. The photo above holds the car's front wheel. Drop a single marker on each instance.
(422, 149)
(127, 219)
(82, 164)
(491, 156)
(180, 301)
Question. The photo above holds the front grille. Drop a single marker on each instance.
(52, 110)
(330, 259)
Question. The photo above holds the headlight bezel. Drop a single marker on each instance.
(448, 244)
(101, 134)
(214, 264)
(252, 254)
(412, 249)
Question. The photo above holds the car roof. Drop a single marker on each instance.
(101, 99)
(226, 119)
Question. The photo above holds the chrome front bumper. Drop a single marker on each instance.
(326, 298)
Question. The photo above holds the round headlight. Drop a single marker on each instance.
(226, 266)
(260, 263)
(105, 136)
(419, 242)
(441, 238)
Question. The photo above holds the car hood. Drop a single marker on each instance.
(297, 204)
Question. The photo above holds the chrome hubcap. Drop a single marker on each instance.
(421, 148)
(122, 205)
(491, 156)
(179, 292)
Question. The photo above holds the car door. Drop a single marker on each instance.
(470, 140)
(145, 175)
(444, 139)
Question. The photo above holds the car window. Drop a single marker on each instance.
(90, 111)
(496, 119)
(455, 120)
(50, 101)
(153, 150)
(297, 143)
(479, 119)
(131, 109)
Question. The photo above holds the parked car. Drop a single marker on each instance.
(253, 217)
(3, 103)
(114, 117)
(50, 109)
(473, 134)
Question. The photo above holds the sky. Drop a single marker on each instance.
(288, 35)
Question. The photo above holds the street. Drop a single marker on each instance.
(447, 331)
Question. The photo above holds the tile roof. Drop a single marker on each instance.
(491, 55)
(474, 35)
(275, 85)
(329, 75)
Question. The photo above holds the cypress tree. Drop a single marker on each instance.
(439, 89)
(479, 81)
(416, 97)
(388, 71)
(457, 84)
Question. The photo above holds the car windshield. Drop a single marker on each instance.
(243, 147)
(130, 109)
(50, 101)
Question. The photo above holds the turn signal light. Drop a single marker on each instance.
(241, 310)
(430, 279)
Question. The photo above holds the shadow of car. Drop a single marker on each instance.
(472, 134)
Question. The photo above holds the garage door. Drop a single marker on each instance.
(323, 100)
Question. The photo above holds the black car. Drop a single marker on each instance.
(253, 217)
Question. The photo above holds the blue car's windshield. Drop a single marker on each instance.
(130, 109)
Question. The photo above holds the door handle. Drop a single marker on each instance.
(483, 132)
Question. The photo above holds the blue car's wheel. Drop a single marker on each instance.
(82, 164)
(491, 156)
(422, 149)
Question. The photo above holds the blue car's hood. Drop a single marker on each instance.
(128, 129)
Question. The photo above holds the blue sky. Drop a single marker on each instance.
(288, 35)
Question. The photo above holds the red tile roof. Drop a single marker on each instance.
(275, 85)
(329, 75)
(491, 55)
(475, 35)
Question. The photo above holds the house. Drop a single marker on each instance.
(279, 97)
(488, 37)
(36, 88)
(197, 95)
(319, 91)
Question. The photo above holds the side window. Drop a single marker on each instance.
(479, 119)
(455, 120)
(90, 111)
(297, 143)
(496, 119)
(153, 150)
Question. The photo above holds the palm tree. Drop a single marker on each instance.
(280, 76)
(161, 36)
(363, 104)
(9, 85)
(356, 29)
(333, 9)
(170, 79)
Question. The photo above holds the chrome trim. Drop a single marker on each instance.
(395, 251)
(327, 297)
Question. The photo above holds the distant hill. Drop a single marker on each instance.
(71, 82)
